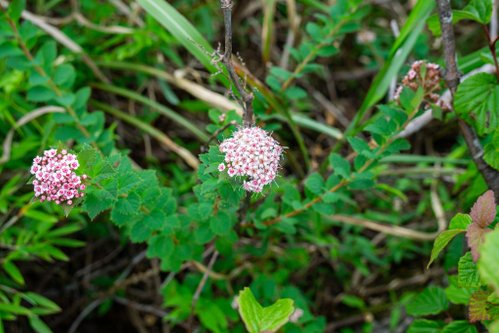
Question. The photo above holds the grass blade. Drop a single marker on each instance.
(187, 124)
(185, 33)
(400, 50)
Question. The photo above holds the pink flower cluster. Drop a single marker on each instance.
(251, 152)
(55, 179)
(429, 80)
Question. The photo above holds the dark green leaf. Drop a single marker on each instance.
(431, 301)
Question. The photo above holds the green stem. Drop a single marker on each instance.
(345, 182)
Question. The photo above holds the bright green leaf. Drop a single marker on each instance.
(430, 301)
(441, 242)
(477, 101)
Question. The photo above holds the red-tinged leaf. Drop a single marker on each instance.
(483, 211)
(478, 306)
(475, 234)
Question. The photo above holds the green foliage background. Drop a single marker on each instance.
(162, 240)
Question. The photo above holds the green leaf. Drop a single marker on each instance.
(40, 300)
(460, 326)
(468, 276)
(476, 10)
(160, 246)
(183, 31)
(425, 326)
(494, 327)
(488, 264)
(258, 319)
(64, 75)
(456, 294)
(13, 271)
(14, 309)
(97, 201)
(15, 9)
(40, 94)
(429, 302)
(221, 224)
(491, 151)
(441, 242)
(358, 145)
(128, 205)
(314, 183)
(340, 165)
(38, 325)
(477, 102)
(460, 221)
(479, 10)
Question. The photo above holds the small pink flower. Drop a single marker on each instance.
(54, 178)
(221, 167)
(254, 154)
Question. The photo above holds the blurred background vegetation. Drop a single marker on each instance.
(108, 74)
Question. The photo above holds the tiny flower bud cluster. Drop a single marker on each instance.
(55, 179)
(251, 153)
(430, 82)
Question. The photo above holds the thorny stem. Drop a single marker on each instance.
(246, 98)
(452, 76)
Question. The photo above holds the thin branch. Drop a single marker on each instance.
(246, 99)
(452, 77)
(200, 287)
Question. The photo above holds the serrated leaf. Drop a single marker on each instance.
(488, 265)
(314, 183)
(128, 205)
(140, 232)
(425, 326)
(258, 319)
(441, 242)
(478, 306)
(456, 294)
(430, 301)
(479, 10)
(476, 10)
(221, 224)
(483, 211)
(460, 221)
(468, 276)
(459, 326)
(160, 246)
(491, 151)
(475, 236)
(155, 220)
(477, 102)
(340, 165)
(97, 201)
